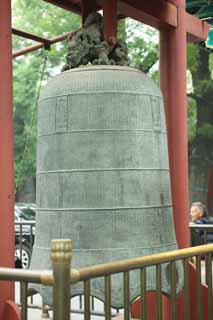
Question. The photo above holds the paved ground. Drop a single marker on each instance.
(35, 314)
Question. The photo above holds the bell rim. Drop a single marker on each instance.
(99, 68)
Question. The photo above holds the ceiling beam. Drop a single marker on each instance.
(154, 13)
(157, 14)
(67, 5)
(163, 15)
(197, 30)
(31, 36)
(35, 47)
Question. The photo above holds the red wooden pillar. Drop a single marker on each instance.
(173, 85)
(87, 7)
(6, 152)
(110, 21)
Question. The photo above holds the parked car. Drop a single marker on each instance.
(24, 233)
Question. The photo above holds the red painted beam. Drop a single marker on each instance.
(6, 152)
(67, 5)
(110, 21)
(197, 29)
(87, 7)
(158, 14)
(154, 13)
(163, 14)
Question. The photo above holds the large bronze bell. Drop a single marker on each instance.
(102, 174)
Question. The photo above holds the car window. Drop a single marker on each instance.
(28, 213)
(24, 213)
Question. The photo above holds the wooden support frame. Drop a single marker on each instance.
(46, 42)
(173, 22)
(6, 153)
(87, 7)
(158, 14)
(35, 47)
(67, 5)
(161, 15)
(110, 21)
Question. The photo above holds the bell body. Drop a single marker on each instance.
(102, 174)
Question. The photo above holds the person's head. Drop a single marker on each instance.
(198, 210)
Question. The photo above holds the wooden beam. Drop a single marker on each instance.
(87, 7)
(197, 30)
(110, 21)
(154, 13)
(56, 39)
(67, 5)
(31, 36)
(163, 15)
(150, 12)
(158, 14)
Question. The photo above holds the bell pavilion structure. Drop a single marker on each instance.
(177, 24)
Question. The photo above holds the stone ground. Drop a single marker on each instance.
(35, 314)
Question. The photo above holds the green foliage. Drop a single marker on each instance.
(211, 62)
(143, 48)
(192, 57)
(200, 63)
(26, 77)
(46, 20)
(192, 119)
(122, 34)
(206, 130)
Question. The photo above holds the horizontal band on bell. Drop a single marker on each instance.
(140, 93)
(102, 169)
(112, 208)
(101, 130)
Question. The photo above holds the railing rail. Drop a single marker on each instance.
(205, 233)
(41, 277)
(101, 270)
(25, 222)
(62, 277)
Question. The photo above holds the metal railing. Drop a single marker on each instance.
(58, 278)
(63, 277)
(205, 230)
(125, 266)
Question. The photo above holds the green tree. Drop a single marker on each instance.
(201, 121)
(143, 45)
(46, 20)
(199, 63)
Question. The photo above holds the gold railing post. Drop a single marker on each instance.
(61, 260)
(24, 310)
(44, 312)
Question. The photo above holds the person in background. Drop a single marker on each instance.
(198, 215)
